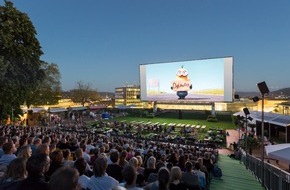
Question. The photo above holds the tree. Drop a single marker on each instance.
(20, 64)
(83, 93)
(48, 91)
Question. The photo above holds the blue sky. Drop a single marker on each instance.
(104, 42)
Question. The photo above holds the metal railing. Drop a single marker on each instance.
(274, 178)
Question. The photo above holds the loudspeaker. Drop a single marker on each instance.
(263, 88)
(256, 99)
(246, 111)
(237, 97)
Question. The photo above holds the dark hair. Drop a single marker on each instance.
(80, 164)
(66, 153)
(114, 156)
(17, 169)
(197, 166)
(100, 166)
(36, 163)
(188, 166)
(64, 178)
(7, 147)
(129, 174)
(163, 178)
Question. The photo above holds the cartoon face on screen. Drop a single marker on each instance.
(181, 84)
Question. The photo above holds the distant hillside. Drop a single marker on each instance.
(285, 92)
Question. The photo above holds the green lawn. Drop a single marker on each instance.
(193, 118)
(224, 122)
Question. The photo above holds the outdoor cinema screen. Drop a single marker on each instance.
(206, 80)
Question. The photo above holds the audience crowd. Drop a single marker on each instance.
(76, 158)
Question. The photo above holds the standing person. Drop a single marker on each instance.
(100, 180)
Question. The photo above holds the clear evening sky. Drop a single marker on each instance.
(104, 42)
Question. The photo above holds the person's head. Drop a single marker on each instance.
(123, 155)
(37, 141)
(114, 156)
(43, 149)
(134, 162)
(207, 155)
(65, 178)
(24, 152)
(163, 158)
(3, 140)
(37, 164)
(100, 166)
(151, 162)
(188, 166)
(175, 173)
(140, 160)
(16, 169)
(79, 153)
(52, 147)
(169, 166)
(80, 164)
(200, 161)
(56, 157)
(46, 140)
(23, 141)
(197, 166)
(163, 178)
(66, 154)
(8, 148)
(129, 175)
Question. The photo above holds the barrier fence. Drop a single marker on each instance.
(274, 177)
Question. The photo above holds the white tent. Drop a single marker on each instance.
(279, 152)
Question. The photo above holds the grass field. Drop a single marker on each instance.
(193, 118)
(224, 121)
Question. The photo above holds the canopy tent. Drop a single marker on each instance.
(280, 120)
(272, 118)
(57, 110)
(80, 108)
(279, 152)
(34, 110)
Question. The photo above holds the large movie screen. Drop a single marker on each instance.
(206, 80)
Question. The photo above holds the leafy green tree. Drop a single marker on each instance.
(20, 64)
(48, 91)
(83, 93)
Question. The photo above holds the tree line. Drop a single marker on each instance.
(24, 77)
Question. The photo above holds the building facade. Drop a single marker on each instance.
(129, 96)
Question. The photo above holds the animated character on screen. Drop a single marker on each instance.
(182, 83)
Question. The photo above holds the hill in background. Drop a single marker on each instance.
(278, 94)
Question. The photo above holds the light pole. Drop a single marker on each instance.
(246, 112)
(263, 90)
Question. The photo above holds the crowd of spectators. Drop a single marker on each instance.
(77, 158)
